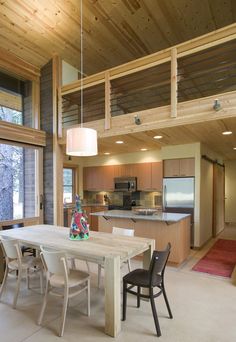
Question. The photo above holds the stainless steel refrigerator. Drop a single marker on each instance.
(178, 192)
(178, 197)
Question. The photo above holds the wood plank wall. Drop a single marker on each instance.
(46, 102)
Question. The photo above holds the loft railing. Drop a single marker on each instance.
(195, 69)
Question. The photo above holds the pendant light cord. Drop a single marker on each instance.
(81, 64)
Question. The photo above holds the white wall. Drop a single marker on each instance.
(69, 73)
(206, 194)
(124, 158)
(206, 202)
(230, 191)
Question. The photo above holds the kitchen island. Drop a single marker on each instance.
(162, 227)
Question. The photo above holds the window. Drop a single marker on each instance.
(17, 182)
(15, 100)
(68, 185)
(10, 115)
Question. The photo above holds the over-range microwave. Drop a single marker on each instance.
(125, 184)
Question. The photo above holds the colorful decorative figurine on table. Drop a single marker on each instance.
(79, 229)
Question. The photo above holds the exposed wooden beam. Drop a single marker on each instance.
(17, 66)
(189, 112)
(22, 134)
(10, 100)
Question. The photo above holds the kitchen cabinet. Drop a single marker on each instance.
(87, 210)
(149, 176)
(67, 217)
(124, 170)
(101, 178)
(89, 178)
(107, 178)
(187, 167)
(144, 176)
(98, 178)
(94, 219)
(179, 167)
(157, 176)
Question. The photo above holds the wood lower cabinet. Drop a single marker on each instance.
(179, 167)
(92, 220)
(177, 233)
(87, 210)
(67, 217)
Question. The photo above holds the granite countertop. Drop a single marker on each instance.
(129, 214)
(69, 206)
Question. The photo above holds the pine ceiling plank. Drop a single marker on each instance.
(221, 11)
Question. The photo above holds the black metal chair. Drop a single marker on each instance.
(24, 249)
(149, 279)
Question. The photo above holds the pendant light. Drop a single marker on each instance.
(81, 141)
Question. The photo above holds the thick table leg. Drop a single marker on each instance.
(112, 296)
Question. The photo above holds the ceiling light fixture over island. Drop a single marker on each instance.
(161, 226)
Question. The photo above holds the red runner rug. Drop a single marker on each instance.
(220, 259)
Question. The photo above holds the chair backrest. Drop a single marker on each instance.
(13, 226)
(122, 231)
(11, 248)
(54, 261)
(158, 263)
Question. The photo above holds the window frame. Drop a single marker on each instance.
(74, 176)
(38, 182)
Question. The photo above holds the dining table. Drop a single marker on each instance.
(106, 249)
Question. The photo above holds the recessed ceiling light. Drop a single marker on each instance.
(234, 148)
(143, 149)
(107, 153)
(119, 142)
(158, 137)
(226, 132)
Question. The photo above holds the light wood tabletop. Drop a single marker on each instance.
(101, 248)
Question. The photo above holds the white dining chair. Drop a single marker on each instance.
(59, 276)
(117, 231)
(16, 262)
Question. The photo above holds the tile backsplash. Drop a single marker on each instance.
(142, 198)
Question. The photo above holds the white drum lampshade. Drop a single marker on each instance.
(81, 142)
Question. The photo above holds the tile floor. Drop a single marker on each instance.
(203, 307)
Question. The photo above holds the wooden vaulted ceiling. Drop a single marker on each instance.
(115, 32)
